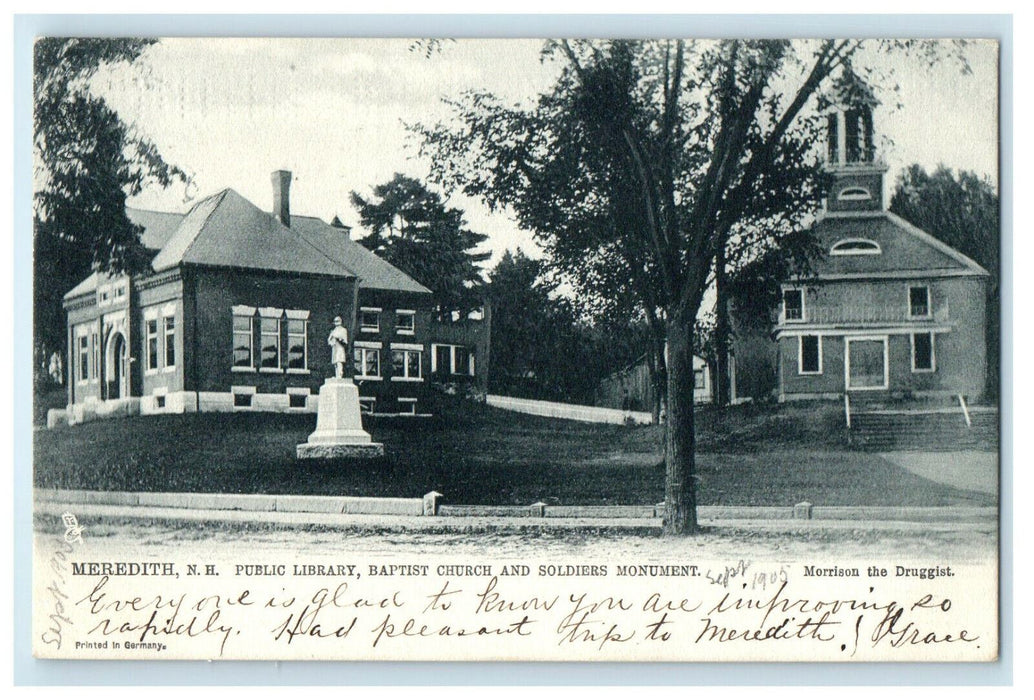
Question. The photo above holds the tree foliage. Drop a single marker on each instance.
(87, 161)
(541, 347)
(415, 231)
(755, 286)
(961, 209)
(645, 162)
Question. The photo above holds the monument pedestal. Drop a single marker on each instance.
(339, 428)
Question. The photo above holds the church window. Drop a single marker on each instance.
(854, 194)
(809, 354)
(855, 246)
(793, 304)
(922, 352)
(918, 302)
(832, 131)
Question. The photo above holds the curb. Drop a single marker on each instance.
(429, 507)
(482, 525)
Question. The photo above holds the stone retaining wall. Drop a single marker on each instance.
(430, 505)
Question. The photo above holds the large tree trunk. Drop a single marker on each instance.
(680, 515)
(658, 371)
(721, 331)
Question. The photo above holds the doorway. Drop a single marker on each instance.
(118, 363)
(865, 363)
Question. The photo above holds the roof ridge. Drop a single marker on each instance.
(320, 250)
(356, 257)
(398, 269)
(935, 242)
(221, 195)
(157, 211)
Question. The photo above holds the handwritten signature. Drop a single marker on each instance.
(57, 619)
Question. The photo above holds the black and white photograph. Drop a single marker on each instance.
(497, 349)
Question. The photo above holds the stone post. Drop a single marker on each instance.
(802, 511)
(431, 502)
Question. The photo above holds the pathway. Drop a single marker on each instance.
(972, 471)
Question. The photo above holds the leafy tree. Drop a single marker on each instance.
(754, 288)
(86, 162)
(963, 211)
(525, 310)
(411, 228)
(541, 348)
(686, 151)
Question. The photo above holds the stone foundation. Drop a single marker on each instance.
(367, 450)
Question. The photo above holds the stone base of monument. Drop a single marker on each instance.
(339, 428)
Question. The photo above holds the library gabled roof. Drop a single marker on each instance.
(227, 230)
(372, 271)
(158, 226)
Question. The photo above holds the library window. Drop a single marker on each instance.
(169, 323)
(367, 362)
(243, 341)
(269, 343)
(152, 344)
(406, 364)
(84, 358)
(297, 348)
(95, 357)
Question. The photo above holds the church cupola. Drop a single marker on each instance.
(850, 146)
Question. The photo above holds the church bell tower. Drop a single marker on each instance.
(850, 150)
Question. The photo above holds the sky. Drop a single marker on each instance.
(333, 112)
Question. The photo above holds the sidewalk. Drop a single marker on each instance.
(969, 470)
(568, 411)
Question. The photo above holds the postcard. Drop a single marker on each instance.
(516, 349)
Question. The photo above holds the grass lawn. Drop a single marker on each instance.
(476, 454)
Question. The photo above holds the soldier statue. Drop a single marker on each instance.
(338, 342)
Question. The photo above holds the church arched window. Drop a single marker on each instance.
(855, 246)
(854, 194)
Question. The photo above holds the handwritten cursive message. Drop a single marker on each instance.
(358, 609)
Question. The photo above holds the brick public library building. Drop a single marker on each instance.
(235, 312)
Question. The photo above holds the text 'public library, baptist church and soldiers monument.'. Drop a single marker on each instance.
(235, 312)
